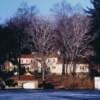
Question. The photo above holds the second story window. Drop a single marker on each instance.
(82, 67)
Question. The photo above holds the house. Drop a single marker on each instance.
(81, 66)
(33, 62)
(50, 60)
(27, 61)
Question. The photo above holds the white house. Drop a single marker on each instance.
(50, 61)
(27, 61)
(58, 67)
(34, 62)
(79, 68)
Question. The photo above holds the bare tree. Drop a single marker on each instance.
(72, 33)
(22, 20)
(43, 40)
(75, 38)
(79, 38)
(62, 12)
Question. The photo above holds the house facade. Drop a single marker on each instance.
(79, 68)
(27, 62)
(33, 62)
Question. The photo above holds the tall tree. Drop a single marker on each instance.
(62, 11)
(20, 23)
(43, 40)
(94, 14)
(18, 26)
(8, 42)
(73, 37)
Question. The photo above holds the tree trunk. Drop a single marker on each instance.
(74, 69)
(19, 66)
(64, 66)
(43, 69)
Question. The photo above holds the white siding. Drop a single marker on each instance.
(82, 68)
(51, 61)
(79, 68)
(56, 69)
(26, 60)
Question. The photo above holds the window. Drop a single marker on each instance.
(82, 67)
(53, 67)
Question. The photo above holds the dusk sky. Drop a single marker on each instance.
(9, 7)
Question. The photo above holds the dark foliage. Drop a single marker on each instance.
(46, 85)
(94, 14)
(2, 85)
(10, 82)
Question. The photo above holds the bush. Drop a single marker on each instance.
(2, 85)
(46, 85)
(11, 83)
